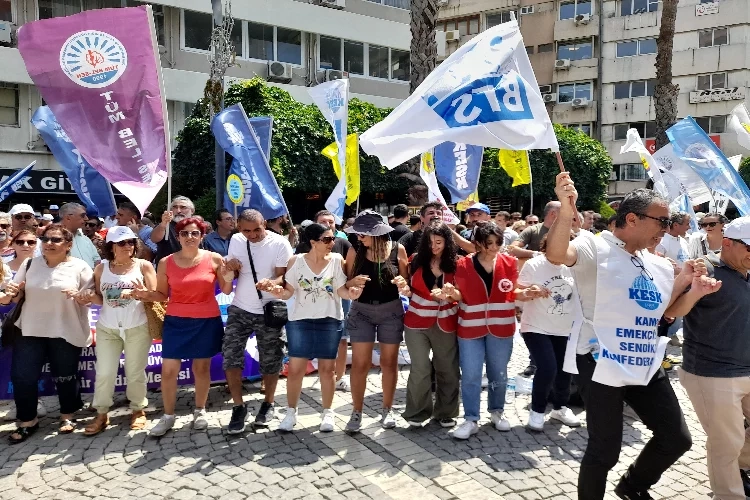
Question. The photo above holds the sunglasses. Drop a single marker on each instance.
(125, 243)
(664, 221)
(91, 224)
(532, 222)
(23, 216)
(4, 226)
(327, 239)
(51, 239)
(747, 247)
(22, 243)
(637, 262)
(190, 234)
(708, 224)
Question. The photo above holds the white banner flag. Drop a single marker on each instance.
(484, 94)
(635, 145)
(739, 121)
(721, 201)
(672, 164)
(427, 173)
(332, 98)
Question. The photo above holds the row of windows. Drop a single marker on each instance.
(636, 47)
(9, 103)
(645, 88)
(647, 130)
(364, 59)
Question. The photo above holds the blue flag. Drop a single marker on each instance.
(457, 168)
(91, 187)
(695, 148)
(14, 182)
(236, 135)
(262, 126)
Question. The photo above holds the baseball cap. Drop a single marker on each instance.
(38, 215)
(305, 223)
(738, 229)
(479, 206)
(54, 207)
(120, 233)
(48, 217)
(21, 208)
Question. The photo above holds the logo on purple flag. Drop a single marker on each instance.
(99, 73)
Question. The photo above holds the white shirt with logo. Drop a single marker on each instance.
(674, 247)
(552, 315)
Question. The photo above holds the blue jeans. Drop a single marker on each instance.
(472, 354)
(549, 351)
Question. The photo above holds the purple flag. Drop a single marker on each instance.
(100, 74)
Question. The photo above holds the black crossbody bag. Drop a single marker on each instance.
(275, 313)
(9, 332)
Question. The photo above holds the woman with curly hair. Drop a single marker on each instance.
(430, 325)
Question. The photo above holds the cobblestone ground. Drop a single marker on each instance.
(400, 464)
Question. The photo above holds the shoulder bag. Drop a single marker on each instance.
(9, 332)
(275, 313)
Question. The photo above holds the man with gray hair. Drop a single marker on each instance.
(6, 251)
(674, 245)
(527, 244)
(73, 217)
(181, 208)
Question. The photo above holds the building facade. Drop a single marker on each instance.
(292, 43)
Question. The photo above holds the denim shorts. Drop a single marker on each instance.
(313, 338)
(383, 323)
(345, 305)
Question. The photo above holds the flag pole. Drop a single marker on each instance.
(560, 162)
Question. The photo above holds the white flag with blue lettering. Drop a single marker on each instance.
(484, 94)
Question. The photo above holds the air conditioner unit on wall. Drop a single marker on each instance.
(562, 64)
(442, 3)
(334, 74)
(549, 97)
(529, 9)
(334, 4)
(545, 89)
(580, 102)
(5, 30)
(452, 36)
(279, 72)
(582, 19)
(440, 42)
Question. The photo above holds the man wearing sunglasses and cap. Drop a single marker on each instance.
(23, 217)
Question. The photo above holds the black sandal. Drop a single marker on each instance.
(24, 432)
(66, 426)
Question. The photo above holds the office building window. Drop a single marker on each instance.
(378, 61)
(197, 29)
(288, 46)
(712, 124)
(569, 91)
(330, 53)
(464, 25)
(628, 7)
(647, 130)
(354, 57)
(530, 49)
(575, 51)
(569, 9)
(638, 88)
(636, 47)
(400, 66)
(546, 47)
(495, 18)
(6, 11)
(582, 127)
(8, 103)
(713, 37)
(713, 81)
(260, 42)
(632, 172)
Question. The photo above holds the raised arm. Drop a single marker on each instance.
(559, 249)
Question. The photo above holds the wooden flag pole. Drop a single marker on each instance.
(560, 162)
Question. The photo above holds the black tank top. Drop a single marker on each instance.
(379, 289)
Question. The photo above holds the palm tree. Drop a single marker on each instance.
(666, 92)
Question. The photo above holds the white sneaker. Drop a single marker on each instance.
(389, 419)
(536, 421)
(41, 411)
(199, 420)
(413, 424)
(343, 385)
(464, 431)
(499, 421)
(328, 421)
(165, 423)
(290, 420)
(566, 416)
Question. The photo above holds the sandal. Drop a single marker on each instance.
(66, 426)
(99, 424)
(138, 420)
(24, 433)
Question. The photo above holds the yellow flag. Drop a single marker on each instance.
(352, 165)
(461, 206)
(516, 165)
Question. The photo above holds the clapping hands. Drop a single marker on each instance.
(402, 285)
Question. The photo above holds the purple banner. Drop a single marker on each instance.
(100, 74)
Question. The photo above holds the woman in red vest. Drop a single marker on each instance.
(485, 284)
(430, 325)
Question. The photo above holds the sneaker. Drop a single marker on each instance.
(536, 421)
(464, 431)
(199, 420)
(529, 372)
(667, 365)
(675, 341)
(447, 423)
(343, 385)
(566, 416)
(41, 411)
(165, 423)
(625, 491)
(266, 413)
(237, 422)
(499, 421)
(388, 421)
(328, 421)
(415, 424)
(355, 423)
(290, 420)
(675, 360)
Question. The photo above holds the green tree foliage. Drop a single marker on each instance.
(585, 158)
(745, 170)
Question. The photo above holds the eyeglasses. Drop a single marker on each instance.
(327, 239)
(22, 243)
(747, 247)
(190, 234)
(4, 226)
(708, 224)
(664, 221)
(91, 224)
(23, 216)
(51, 239)
(125, 243)
(637, 262)
(532, 222)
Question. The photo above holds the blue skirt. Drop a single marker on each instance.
(191, 338)
(313, 338)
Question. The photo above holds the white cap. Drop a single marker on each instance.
(738, 229)
(120, 233)
(54, 207)
(305, 223)
(21, 208)
(48, 217)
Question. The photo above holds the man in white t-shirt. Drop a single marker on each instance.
(673, 244)
(270, 254)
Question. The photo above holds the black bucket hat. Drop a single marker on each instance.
(370, 223)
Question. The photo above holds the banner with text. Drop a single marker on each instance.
(457, 167)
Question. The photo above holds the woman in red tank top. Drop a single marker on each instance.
(192, 325)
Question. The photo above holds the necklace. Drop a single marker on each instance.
(119, 264)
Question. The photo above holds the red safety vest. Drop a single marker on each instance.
(424, 311)
(479, 314)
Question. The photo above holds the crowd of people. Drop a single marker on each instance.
(595, 301)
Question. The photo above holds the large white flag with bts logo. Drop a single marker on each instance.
(484, 94)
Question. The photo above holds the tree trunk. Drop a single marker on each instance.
(422, 58)
(665, 94)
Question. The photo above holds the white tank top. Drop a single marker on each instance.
(118, 313)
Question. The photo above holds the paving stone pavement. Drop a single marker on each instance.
(423, 464)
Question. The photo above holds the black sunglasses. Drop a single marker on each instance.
(51, 239)
(637, 262)
(326, 239)
(23, 243)
(92, 224)
(664, 221)
(125, 243)
(708, 224)
(23, 216)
